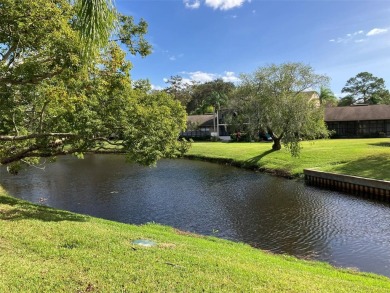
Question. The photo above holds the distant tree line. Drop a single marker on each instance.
(275, 99)
(200, 98)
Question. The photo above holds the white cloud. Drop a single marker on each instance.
(359, 36)
(215, 4)
(157, 87)
(350, 37)
(192, 4)
(224, 4)
(360, 40)
(377, 31)
(173, 57)
(202, 77)
(230, 77)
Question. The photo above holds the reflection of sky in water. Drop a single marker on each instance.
(271, 213)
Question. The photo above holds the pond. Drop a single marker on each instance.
(271, 213)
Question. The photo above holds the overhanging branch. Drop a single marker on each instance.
(35, 135)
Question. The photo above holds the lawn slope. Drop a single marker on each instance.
(47, 250)
(359, 157)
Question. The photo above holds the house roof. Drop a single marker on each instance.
(311, 94)
(201, 120)
(358, 113)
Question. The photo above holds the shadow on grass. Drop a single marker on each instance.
(377, 167)
(253, 161)
(15, 209)
(381, 144)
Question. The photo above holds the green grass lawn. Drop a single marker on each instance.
(360, 157)
(47, 250)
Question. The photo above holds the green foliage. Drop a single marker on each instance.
(346, 101)
(37, 42)
(365, 88)
(208, 96)
(240, 137)
(132, 35)
(154, 123)
(327, 98)
(184, 146)
(142, 85)
(51, 104)
(278, 99)
(385, 98)
(96, 19)
(200, 98)
(179, 89)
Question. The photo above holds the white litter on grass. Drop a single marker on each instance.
(144, 242)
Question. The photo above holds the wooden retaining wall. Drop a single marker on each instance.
(376, 189)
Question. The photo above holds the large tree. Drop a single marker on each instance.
(279, 99)
(51, 103)
(365, 88)
(180, 89)
(212, 94)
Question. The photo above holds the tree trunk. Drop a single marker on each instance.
(277, 145)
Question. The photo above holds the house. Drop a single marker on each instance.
(199, 127)
(313, 96)
(205, 126)
(205, 122)
(359, 120)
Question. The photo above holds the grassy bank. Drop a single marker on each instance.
(47, 250)
(360, 157)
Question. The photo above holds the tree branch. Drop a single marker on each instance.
(42, 115)
(20, 155)
(107, 141)
(9, 52)
(35, 135)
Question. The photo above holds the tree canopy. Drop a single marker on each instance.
(51, 103)
(180, 89)
(365, 88)
(213, 94)
(279, 99)
(200, 98)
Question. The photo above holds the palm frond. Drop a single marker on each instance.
(96, 20)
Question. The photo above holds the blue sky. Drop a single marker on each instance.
(208, 39)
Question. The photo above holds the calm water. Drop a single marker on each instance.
(283, 216)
